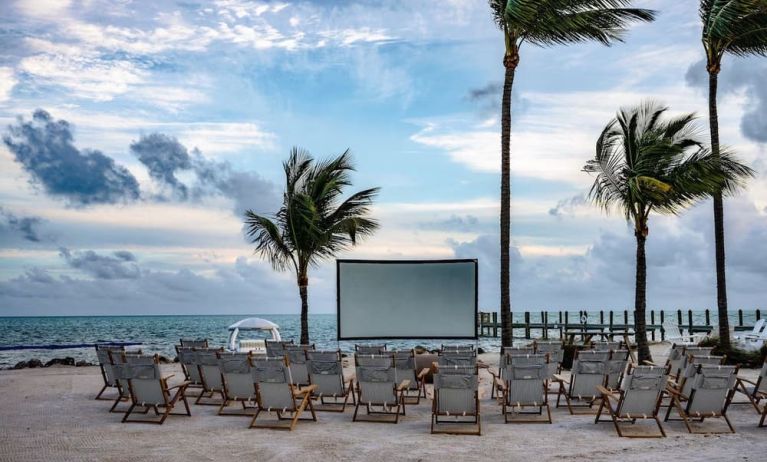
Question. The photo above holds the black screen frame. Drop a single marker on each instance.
(412, 262)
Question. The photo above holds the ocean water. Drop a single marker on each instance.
(159, 334)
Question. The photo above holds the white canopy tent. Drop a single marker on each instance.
(251, 324)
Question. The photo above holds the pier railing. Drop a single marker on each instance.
(562, 321)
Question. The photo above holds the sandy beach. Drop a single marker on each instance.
(50, 414)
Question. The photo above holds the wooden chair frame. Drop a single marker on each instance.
(753, 398)
(104, 375)
(305, 396)
(167, 406)
(503, 390)
(677, 398)
(608, 395)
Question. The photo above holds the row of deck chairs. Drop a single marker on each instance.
(703, 389)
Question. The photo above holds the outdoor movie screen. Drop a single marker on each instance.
(397, 299)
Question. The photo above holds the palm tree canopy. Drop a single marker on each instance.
(313, 222)
(733, 26)
(645, 161)
(555, 22)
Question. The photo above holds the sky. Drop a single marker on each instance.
(136, 133)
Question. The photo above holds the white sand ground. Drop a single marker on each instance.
(50, 415)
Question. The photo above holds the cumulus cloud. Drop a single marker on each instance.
(120, 265)
(567, 206)
(163, 156)
(44, 147)
(747, 75)
(26, 227)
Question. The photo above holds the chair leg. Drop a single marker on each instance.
(102, 392)
(764, 416)
(128, 412)
(660, 427)
(356, 409)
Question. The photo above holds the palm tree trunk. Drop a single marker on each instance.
(721, 282)
(510, 62)
(303, 285)
(640, 300)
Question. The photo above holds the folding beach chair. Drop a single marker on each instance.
(210, 376)
(458, 347)
(277, 393)
(117, 358)
(525, 385)
(405, 367)
(378, 389)
(456, 401)
(755, 333)
(520, 359)
(107, 372)
(556, 351)
(150, 390)
(755, 391)
(674, 334)
(188, 359)
(684, 381)
(192, 343)
(275, 348)
(588, 373)
(593, 355)
(326, 372)
(370, 349)
(639, 397)
(297, 356)
(616, 367)
(238, 383)
(711, 390)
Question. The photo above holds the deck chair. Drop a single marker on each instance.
(188, 359)
(456, 401)
(117, 358)
(674, 334)
(238, 384)
(684, 381)
(639, 397)
(593, 355)
(275, 348)
(210, 376)
(457, 358)
(405, 367)
(556, 351)
(755, 333)
(616, 367)
(458, 347)
(150, 390)
(681, 355)
(297, 356)
(277, 393)
(370, 349)
(605, 345)
(377, 387)
(754, 391)
(326, 372)
(525, 386)
(711, 391)
(191, 343)
(586, 375)
(107, 372)
(524, 358)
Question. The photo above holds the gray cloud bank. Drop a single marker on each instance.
(12, 226)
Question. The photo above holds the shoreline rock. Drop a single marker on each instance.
(35, 363)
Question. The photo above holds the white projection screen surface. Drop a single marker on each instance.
(396, 299)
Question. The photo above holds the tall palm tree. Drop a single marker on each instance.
(737, 27)
(646, 164)
(311, 225)
(545, 23)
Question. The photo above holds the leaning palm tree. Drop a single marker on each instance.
(645, 163)
(737, 27)
(545, 23)
(311, 225)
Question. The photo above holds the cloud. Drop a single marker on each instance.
(7, 82)
(121, 265)
(466, 223)
(740, 75)
(163, 156)
(45, 150)
(567, 207)
(26, 227)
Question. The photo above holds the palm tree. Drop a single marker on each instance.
(545, 23)
(311, 225)
(737, 27)
(646, 164)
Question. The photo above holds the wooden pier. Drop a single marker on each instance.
(562, 321)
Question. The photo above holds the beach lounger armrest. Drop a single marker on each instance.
(499, 384)
(307, 389)
(424, 372)
(180, 385)
(168, 377)
(403, 385)
(606, 392)
(743, 379)
(650, 363)
(559, 378)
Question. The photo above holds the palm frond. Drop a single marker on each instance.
(738, 27)
(269, 241)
